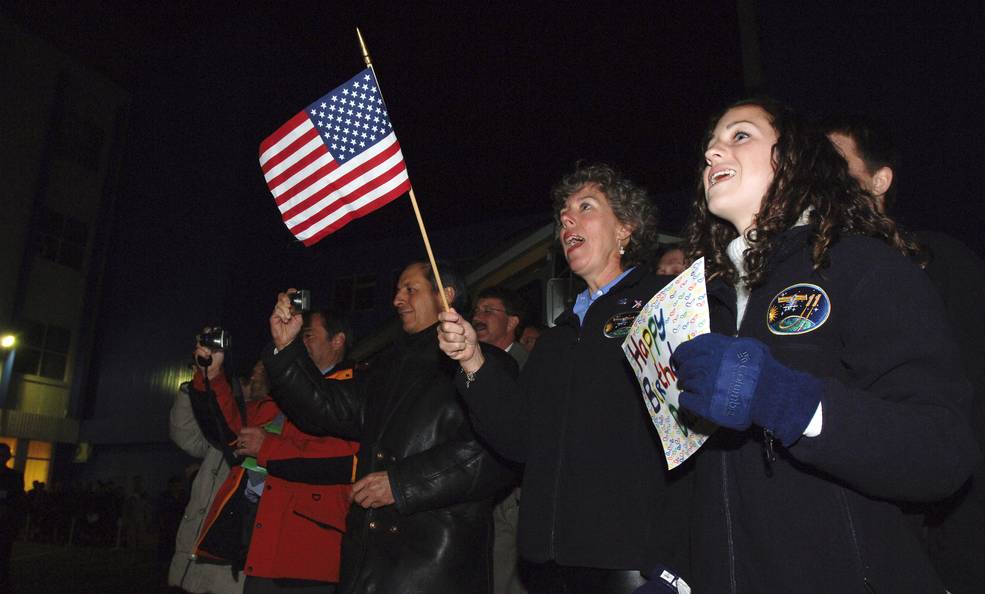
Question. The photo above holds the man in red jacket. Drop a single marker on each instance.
(281, 512)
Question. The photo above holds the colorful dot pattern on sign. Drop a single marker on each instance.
(677, 313)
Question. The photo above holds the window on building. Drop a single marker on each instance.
(533, 295)
(343, 293)
(62, 239)
(37, 463)
(43, 350)
(80, 140)
(37, 466)
(355, 293)
(364, 292)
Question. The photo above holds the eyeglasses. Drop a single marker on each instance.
(486, 310)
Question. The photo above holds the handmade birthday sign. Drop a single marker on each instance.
(677, 313)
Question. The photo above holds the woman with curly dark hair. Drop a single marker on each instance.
(830, 371)
(597, 505)
(810, 178)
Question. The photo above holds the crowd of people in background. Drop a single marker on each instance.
(483, 451)
(94, 514)
(101, 513)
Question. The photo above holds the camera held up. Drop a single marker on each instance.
(300, 301)
(214, 338)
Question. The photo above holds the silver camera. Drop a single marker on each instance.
(300, 301)
(214, 338)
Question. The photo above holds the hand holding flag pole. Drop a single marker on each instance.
(338, 160)
(413, 199)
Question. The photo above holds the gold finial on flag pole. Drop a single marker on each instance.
(362, 46)
(413, 199)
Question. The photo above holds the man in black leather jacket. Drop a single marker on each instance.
(421, 514)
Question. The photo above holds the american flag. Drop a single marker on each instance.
(337, 160)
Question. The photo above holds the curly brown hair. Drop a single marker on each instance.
(808, 173)
(630, 203)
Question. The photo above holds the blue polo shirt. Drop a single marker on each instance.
(585, 299)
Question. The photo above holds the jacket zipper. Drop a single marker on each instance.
(552, 553)
(728, 525)
(193, 555)
(358, 582)
(851, 530)
(204, 529)
(560, 462)
(769, 454)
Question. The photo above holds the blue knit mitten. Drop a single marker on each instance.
(735, 382)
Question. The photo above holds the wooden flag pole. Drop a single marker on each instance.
(413, 199)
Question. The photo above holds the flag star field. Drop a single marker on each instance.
(337, 160)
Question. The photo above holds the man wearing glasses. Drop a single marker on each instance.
(496, 318)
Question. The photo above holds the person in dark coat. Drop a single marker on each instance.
(599, 508)
(830, 369)
(11, 512)
(955, 526)
(421, 519)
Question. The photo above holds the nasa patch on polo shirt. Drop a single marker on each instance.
(798, 309)
(619, 324)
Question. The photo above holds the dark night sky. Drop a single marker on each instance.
(491, 106)
(921, 69)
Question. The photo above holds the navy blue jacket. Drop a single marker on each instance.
(827, 515)
(596, 490)
(956, 534)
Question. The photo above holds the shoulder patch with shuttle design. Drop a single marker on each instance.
(798, 309)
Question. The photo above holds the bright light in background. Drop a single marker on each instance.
(7, 341)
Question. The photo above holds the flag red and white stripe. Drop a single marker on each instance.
(334, 162)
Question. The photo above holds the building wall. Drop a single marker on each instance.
(63, 126)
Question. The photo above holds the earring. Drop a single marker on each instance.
(622, 251)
